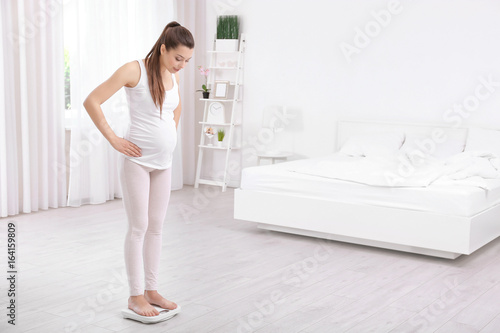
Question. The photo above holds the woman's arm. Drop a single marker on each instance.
(127, 75)
(177, 111)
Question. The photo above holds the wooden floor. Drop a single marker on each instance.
(229, 276)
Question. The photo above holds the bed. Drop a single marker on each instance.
(432, 190)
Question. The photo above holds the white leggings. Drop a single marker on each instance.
(146, 192)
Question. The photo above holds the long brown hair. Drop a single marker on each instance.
(173, 35)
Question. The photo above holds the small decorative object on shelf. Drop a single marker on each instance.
(221, 89)
(216, 112)
(227, 64)
(204, 89)
(228, 29)
(209, 132)
(220, 136)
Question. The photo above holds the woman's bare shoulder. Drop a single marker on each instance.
(131, 72)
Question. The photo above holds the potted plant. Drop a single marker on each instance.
(228, 30)
(220, 136)
(204, 89)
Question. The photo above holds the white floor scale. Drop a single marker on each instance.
(165, 314)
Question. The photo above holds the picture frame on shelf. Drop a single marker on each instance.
(220, 89)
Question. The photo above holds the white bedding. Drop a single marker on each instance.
(467, 168)
(464, 185)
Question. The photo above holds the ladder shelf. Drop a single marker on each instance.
(235, 71)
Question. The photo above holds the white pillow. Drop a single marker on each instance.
(373, 145)
(421, 147)
(485, 140)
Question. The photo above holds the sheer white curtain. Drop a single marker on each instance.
(104, 35)
(32, 162)
(191, 14)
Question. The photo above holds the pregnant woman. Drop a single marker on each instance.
(152, 89)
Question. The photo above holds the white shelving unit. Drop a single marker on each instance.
(232, 102)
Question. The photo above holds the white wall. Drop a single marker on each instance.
(428, 58)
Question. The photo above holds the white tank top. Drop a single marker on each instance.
(155, 136)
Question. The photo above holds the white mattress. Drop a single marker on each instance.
(457, 200)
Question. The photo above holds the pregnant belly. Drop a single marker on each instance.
(155, 141)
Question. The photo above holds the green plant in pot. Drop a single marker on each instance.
(228, 32)
(220, 136)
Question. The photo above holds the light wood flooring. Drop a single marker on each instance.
(230, 276)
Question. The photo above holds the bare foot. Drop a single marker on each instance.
(154, 298)
(141, 306)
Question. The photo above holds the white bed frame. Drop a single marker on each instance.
(427, 233)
